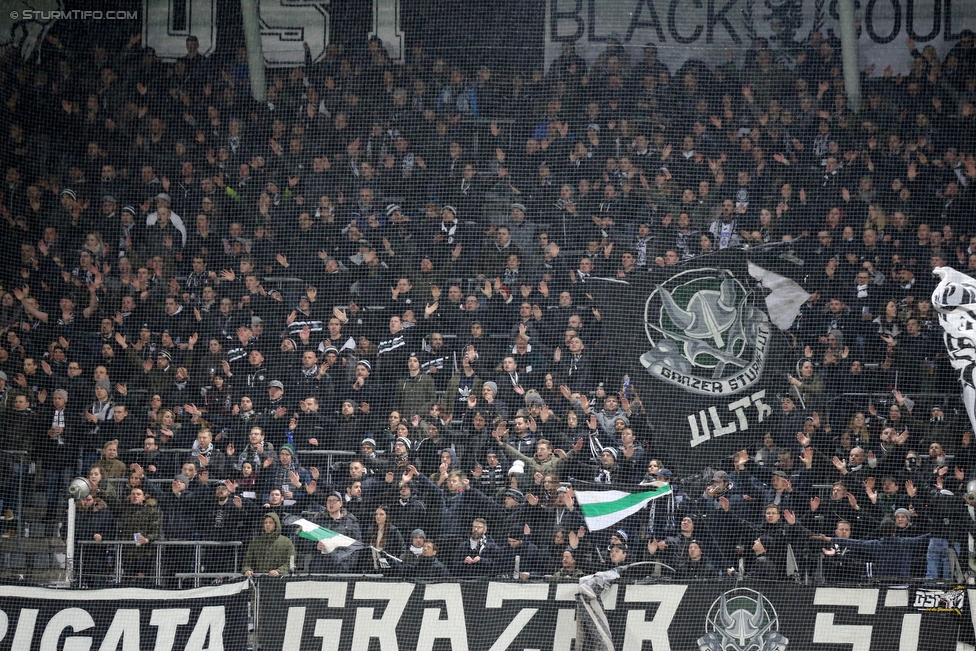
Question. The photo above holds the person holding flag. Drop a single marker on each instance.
(339, 543)
(604, 508)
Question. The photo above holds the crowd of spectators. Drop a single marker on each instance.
(394, 262)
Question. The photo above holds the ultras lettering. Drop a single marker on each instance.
(707, 423)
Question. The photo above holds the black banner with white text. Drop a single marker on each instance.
(704, 348)
(128, 619)
(302, 615)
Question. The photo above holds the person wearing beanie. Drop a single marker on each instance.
(401, 451)
(283, 473)
(451, 232)
(363, 388)
(608, 472)
(903, 522)
(522, 559)
(368, 446)
(55, 447)
(521, 229)
(101, 408)
(415, 547)
(514, 494)
(516, 510)
(489, 404)
(618, 537)
(415, 390)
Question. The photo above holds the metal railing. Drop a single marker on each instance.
(158, 547)
(19, 463)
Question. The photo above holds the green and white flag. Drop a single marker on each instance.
(602, 509)
(332, 540)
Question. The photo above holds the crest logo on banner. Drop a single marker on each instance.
(742, 620)
(706, 336)
(716, 345)
(941, 601)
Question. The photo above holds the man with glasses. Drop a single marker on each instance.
(478, 555)
(342, 522)
(76, 384)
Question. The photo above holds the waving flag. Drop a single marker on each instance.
(602, 509)
(704, 345)
(333, 541)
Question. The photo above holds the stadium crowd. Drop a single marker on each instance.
(393, 262)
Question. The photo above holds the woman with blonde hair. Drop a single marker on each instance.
(876, 219)
(857, 428)
(109, 464)
(95, 245)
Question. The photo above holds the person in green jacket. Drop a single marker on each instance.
(545, 461)
(270, 552)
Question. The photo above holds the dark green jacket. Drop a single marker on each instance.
(269, 551)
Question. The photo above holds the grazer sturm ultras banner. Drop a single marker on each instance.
(704, 346)
(211, 618)
(307, 615)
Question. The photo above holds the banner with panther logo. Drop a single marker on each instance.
(706, 349)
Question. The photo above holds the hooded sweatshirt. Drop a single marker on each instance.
(269, 551)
